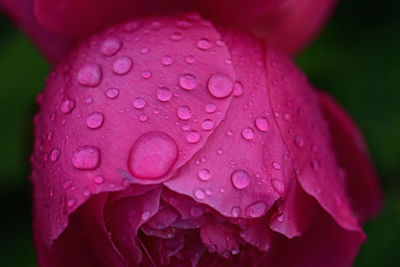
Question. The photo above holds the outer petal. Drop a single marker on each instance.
(307, 136)
(96, 106)
(363, 185)
(52, 45)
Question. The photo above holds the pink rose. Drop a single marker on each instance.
(173, 141)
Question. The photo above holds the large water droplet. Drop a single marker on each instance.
(240, 179)
(152, 155)
(184, 112)
(110, 46)
(220, 85)
(248, 133)
(139, 103)
(204, 174)
(193, 137)
(67, 106)
(203, 44)
(256, 209)
(89, 74)
(262, 124)
(86, 158)
(122, 65)
(188, 81)
(95, 120)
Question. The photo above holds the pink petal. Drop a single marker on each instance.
(75, 246)
(325, 243)
(52, 45)
(219, 238)
(96, 107)
(363, 185)
(307, 136)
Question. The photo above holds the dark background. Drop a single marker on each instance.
(356, 59)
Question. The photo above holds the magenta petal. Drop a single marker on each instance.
(363, 185)
(52, 45)
(325, 243)
(307, 136)
(75, 247)
(219, 237)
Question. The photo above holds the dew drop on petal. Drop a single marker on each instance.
(204, 174)
(98, 180)
(95, 120)
(298, 141)
(193, 137)
(164, 94)
(199, 193)
(210, 108)
(184, 112)
(276, 165)
(166, 60)
(240, 179)
(238, 89)
(67, 106)
(315, 165)
(110, 46)
(55, 154)
(248, 133)
(196, 211)
(112, 93)
(176, 36)
(262, 124)
(203, 44)
(207, 125)
(256, 209)
(122, 65)
(89, 75)
(188, 81)
(220, 85)
(145, 215)
(86, 158)
(152, 155)
(139, 103)
(236, 211)
(278, 186)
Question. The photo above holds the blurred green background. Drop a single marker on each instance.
(356, 59)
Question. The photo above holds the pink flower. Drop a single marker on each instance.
(173, 141)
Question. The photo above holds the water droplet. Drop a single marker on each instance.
(164, 94)
(229, 132)
(122, 65)
(176, 36)
(196, 211)
(190, 59)
(240, 179)
(67, 183)
(145, 215)
(144, 50)
(146, 74)
(95, 120)
(67, 106)
(71, 202)
(248, 133)
(166, 60)
(139, 103)
(256, 209)
(315, 164)
(203, 44)
(238, 89)
(193, 137)
(86, 158)
(110, 46)
(262, 124)
(89, 74)
(98, 180)
(278, 186)
(143, 117)
(236, 211)
(55, 154)
(188, 81)
(220, 85)
(276, 165)
(199, 193)
(298, 141)
(207, 125)
(52, 191)
(112, 93)
(184, 112)
(210, 108)
(204, 174)
(152, 155)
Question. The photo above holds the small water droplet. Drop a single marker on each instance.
(315, 165)
(71, 202)
(98, 180)
(164, 94)
(86, 158)
(55, 154)
(207, 125)
(95, 120)
(204, 174)
(146, 74)
(248, 133)
(122, 65)
(143, 117)
(262, 124)
(193, 137)
(220, 85)
(112, 93)
(176, 36)
(276, 165)
(145, 215)
(152, 155)
(203, 44)
(67, 106)
(144, 50)
(229, 132)
(240, 179)
(188, 81)
(236, 211)
(166, 60)
(199, 194)
(238, 89)
(67, 183)
(184, 112)
(52, 191)
(89, 74)
(278, 186)
(196, 211)
(139, 103)
(190, 59)
(256, 209)
(210, 108)
(110, 46)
